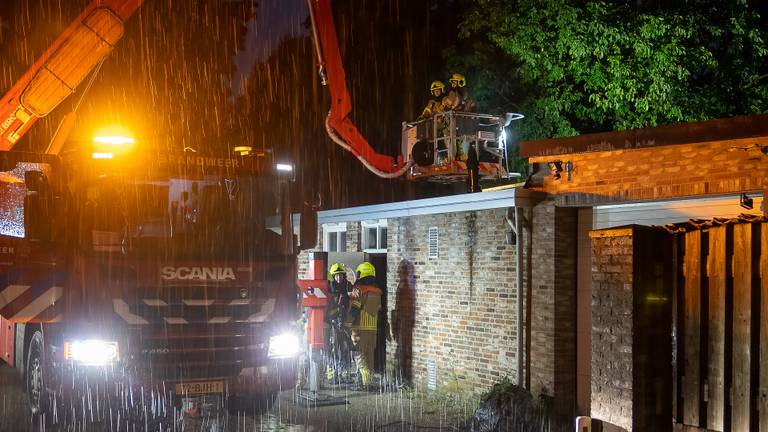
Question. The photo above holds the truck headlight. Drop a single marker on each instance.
(284, 346)
(92, 352)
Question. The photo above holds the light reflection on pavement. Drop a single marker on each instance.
(374, 411)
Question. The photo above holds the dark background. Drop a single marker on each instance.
(213, 74)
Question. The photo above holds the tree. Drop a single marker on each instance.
(594, 65)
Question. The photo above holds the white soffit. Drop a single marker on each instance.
(665, 212)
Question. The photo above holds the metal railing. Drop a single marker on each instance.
(453, 136)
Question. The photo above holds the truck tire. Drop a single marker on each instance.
(21, 349)
(33, 373)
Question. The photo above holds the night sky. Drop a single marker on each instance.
(212, 74)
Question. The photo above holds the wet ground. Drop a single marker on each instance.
(386, 411)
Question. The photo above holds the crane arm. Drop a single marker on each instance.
(339, 126)
(67, 61)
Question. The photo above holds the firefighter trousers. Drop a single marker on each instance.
(366, 346)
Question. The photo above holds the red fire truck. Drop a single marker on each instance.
(163, 273)
(134, 281)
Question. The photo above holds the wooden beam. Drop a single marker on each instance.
(742, 316)
(691, 329)
(716, 341)
(762, 401)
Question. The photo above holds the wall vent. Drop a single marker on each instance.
(431, 374)
(432, 242)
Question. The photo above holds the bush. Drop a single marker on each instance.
(511, 408)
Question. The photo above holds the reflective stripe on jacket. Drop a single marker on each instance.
(369, 303)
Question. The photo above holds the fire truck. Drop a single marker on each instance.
(161, 272)
(133, 281)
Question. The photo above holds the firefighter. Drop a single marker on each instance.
(337, 343)
(435, 103)
(458, 96)
(458, 99)
(340, 289)
(363, 319)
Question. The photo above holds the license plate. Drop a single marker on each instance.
(202, 387)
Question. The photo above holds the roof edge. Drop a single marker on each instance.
(517, 197)
(733, 128)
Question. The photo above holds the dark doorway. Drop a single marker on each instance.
(379, 260)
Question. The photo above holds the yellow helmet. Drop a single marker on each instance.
(459, 78)
(365, 269)
(336, 268)
(436, 85)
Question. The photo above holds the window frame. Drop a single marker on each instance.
(379, 225)
(335, 229)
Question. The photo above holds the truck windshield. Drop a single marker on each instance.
(184, 218)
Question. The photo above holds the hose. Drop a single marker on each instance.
(343, 144)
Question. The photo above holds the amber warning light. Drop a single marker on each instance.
(114, 140)
(108, 146)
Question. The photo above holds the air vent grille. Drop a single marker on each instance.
(432, 242)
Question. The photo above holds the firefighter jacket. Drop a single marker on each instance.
(434, 106)
(339, 302)
(364, 307)
(458, 99)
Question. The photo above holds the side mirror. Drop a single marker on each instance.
(33, 180)
(308, 229)
(37, 207)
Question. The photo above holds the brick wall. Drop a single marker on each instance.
(713, 168)
(460, 306)
(612, 333)
(353, 237)
(632, 285)
(565, 308)
(302, 265)
(553, 303)
(460, 309)
(542, 291)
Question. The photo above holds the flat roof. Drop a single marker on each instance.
(517, 197)
(740, 127)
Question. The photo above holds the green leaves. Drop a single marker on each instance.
(592, 65)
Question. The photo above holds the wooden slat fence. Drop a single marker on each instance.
(722, 336)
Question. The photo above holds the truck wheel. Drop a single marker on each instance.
(34, 373)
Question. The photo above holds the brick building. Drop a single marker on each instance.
(452, 284)
(630, 374)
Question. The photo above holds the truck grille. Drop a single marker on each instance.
(194, 305)
(182, 334)
(172, 352)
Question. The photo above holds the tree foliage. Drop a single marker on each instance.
(594, 65)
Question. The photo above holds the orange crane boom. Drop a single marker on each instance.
(339, 125)
(89, 39)
(78, 50)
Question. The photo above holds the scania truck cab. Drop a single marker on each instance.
(157, 279)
